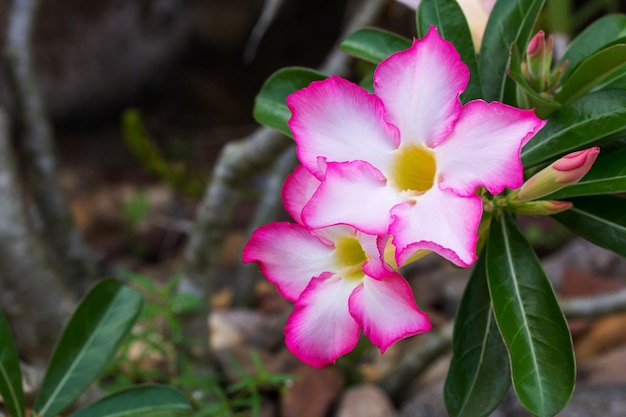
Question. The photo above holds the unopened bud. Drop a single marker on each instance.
(566, 171)
(541, 207)
(539, 60)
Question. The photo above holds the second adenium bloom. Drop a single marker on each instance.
(408, 159)
(338, 279)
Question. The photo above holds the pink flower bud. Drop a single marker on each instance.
(537, 45)
(566, 171)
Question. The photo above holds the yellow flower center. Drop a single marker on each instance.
(349, 258)
(414, 169)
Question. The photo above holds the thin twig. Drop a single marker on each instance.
(33, 295)
(61, 233)
(597, 306)
(436, 343)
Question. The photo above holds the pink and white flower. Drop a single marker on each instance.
(337, 278)
(408, 159)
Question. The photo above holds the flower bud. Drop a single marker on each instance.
(539, 60)
(566, 171)
(541, 207)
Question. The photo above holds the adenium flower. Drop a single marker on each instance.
(408, 159)
(476, 13)
(337, 278)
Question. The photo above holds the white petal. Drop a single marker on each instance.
(339, 121)
(420, 89)
(353, 193)
(484, 148)
(387, 311)
(289, 256)
(439, 221)
(297, 191)
(320, 328)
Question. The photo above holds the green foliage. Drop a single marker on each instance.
(89, 340)
(159, 334)
(270, 108)
(592, 119)
(373, 45)
(600, 219)
(592, 72)
(606, 31)
(511, 23)
(479, 376)
(10, 374)
(530, 321)
(448, 17)
(136, 401)
(148, 153)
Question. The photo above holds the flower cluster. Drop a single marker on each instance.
(383, 177)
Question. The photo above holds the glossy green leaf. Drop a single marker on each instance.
(584, 122)
(600, 219)
(607, 30)
(270, 108)
(373, 45)
(607, 176)
(592, 72)
(448, 17)
(89, 341)
(479, 375)
(510, 23)
(543, 105)
(142, 400)
(530, 321)
(10, 374)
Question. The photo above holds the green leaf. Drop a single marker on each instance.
(584, 122)
(592, 72)
(10, 374)
(530, 321)
(479, 375)
(135, 401)
(373, 45)
(600, 219)
(89, 341)
(607, 176)
(605, 31)
(270, 108)
(448, 17)
(510, 23)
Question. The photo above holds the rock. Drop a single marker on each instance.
(605, 334)
(606, 400)
(610, 367)
(365, 401)
(312, 393)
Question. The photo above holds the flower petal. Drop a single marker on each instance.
(339, 121)
(484, 148)
(374, 246)
(387, 311)
(320, 328)
(289, 256)
(439, 221)
(353, 193)
(420, 88)
(298, 190)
